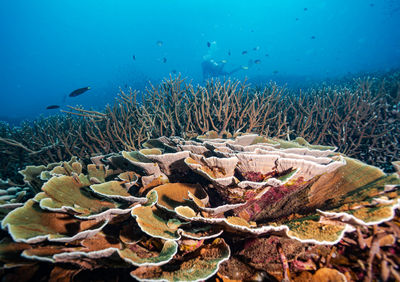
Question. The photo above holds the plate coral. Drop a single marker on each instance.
(173, 210)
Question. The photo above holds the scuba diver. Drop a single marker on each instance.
(211, 68)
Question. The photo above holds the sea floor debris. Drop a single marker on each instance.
(245, 207)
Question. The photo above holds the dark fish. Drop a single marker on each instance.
(297, 19)
(159, 43)
(173, 71)
(244, 52)
(134, 57)
(305, 9)
(257, 61)
(372, 4)
(79, 91)
(208, 44)
(275, 72)
(256, 48)
(252, 30)
(313, 37)
(52, 107)
(266, 55)
(229, 52)
(164, 60)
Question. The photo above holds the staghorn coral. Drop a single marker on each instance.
(359, 117)
(178, 210)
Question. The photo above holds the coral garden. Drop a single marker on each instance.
(223, 182)
(243, 207)
(360, 117)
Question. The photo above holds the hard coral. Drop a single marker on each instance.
(361, 118)
(178, 209)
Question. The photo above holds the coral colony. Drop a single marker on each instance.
(213, 199)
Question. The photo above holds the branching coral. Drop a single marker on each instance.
(360, 118)
(174, 210)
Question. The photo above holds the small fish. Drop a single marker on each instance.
(245, 67)
(52, 107)
(79, 91)
(173, 71)
(305, 9)
(208, 44)
(275, 72)
(229, 52)
(160, 43)
(297, 19)
(244, 52)
(257, 61)
(134, 57)
(164, 60)
(372, 5)
(256, 48)
(266, 55)
(252, 30)
(313, 37)
(224, 61)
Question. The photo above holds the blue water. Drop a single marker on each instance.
(49, 48)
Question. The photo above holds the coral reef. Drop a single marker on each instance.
(207, 207)
(12, 196)
(359, 117)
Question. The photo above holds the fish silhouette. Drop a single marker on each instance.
(79, 91)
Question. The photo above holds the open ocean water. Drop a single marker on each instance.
(50, 48)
